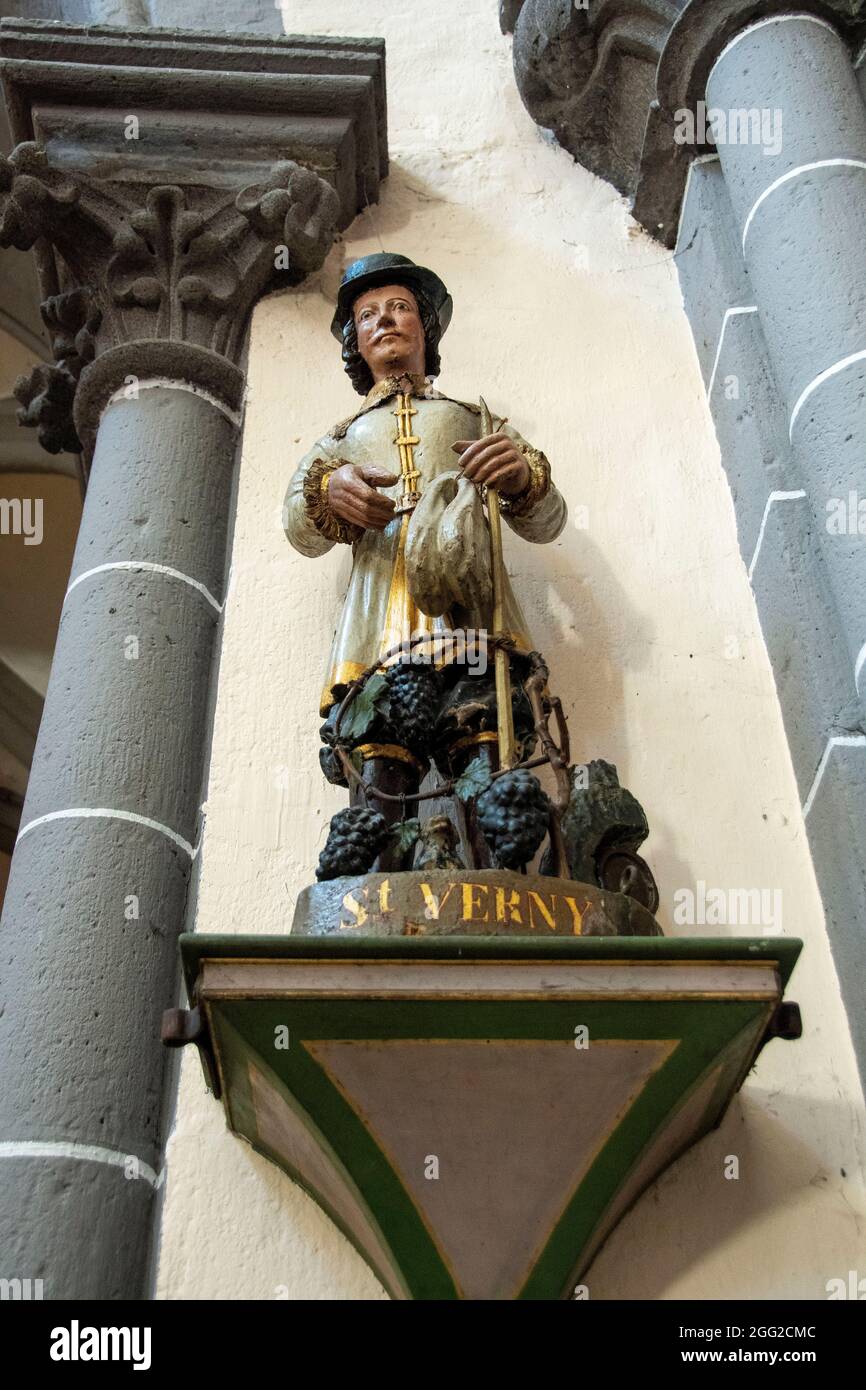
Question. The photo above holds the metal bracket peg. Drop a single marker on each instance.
(182, 1026)
(785, 1023)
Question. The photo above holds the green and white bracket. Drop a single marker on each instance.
(476, 1114)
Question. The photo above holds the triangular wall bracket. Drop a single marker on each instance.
(477, 1113)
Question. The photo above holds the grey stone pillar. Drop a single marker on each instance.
(152, 262)
(771, 255)
(99, 877)
(801, 217)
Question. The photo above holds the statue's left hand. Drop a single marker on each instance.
(495, 460)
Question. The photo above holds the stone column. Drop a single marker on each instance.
(801, 217)
(771, 255)
(99, 879)
(151, 282)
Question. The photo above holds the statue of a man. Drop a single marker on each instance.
(401, 481)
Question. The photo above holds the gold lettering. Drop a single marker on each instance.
(384, 895)
(511, 908)
(433, 905)
(358, 911)
(576, 913)
(546, 913)
(469, 903)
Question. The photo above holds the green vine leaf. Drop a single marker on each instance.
(367, 704)
(404, 835)
(474, 779)
(356, 758)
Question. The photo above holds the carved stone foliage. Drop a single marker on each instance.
(186, 173)
(166, 260)
(177, 263)
(588, 75)
(177, 176)
(293, 208)
(607, 77)
(508, 13)
(46, 394)
(46, 397)
(33, 197)
(167, 264)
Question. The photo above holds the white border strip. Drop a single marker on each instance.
(153, 568)
(729, 314)
(106, 813)
(837, 741)
(561, 979)
(794, 174)
(775, 19)
(87, 1153)
(773, 497)
(819, 381)
(858, 667)
(150, 383)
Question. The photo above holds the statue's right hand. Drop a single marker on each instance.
(353, 497)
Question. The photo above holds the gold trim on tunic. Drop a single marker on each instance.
(343, 674)
(403, 618)
(318, 505)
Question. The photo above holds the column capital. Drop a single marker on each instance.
(166, 180)
(607, 77)
(587, 74)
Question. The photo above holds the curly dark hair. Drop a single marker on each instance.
(359, 373)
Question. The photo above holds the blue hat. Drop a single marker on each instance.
(386, 268)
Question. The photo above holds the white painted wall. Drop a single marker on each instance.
(570, 321)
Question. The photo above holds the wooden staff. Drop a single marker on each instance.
(504, 713)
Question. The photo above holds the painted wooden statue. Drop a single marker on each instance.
(431, 649)
(401, 481)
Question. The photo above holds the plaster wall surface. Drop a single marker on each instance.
(34, 564)
(569, 321)
(33, 576)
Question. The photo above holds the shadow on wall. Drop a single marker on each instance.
(688, 1215)
(582, 620)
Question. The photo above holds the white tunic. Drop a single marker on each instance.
(378, 611)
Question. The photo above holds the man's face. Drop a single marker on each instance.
(390, 332)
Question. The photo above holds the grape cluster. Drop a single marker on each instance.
(513, 814)
(331, 766)
(413, 702)
(354, 839)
